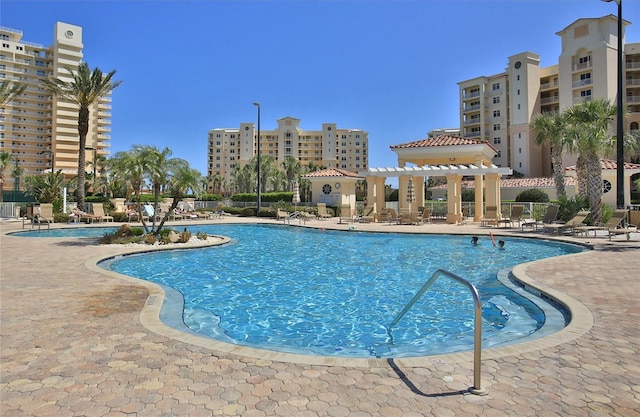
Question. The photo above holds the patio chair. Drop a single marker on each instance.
(616, 225)
(368, 216)
(516, 216)
(576, 221)
(322, 211)
(39, 215)
(490, 216)
(345, 214)
(99, 214)
(389, 215)
(425, 217)
(281, 214)
(550, 217)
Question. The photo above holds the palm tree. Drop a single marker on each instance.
(181, 179)
(5, 162)
(9, 90)
(85, 88)
(590, 138)
(292, 169)
(551, 129)
(46, 188)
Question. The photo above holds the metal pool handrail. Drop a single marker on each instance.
(477, 343)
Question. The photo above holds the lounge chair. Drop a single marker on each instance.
(576, 221)
(39, 215)
(345, 214)
(368, 216)
(99, 214)
(281, 214)
(614, 226)
(550, 217)
(516, 216)
(389, 215)
(425, 216)
(322, 211)
(490, 216)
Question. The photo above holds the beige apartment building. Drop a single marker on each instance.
(332, 147)
(498, 108)
(40, 130)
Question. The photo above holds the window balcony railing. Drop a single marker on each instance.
(580, 83)
(547, 100)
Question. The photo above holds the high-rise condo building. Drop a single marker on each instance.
(332, 147)
(38, 129)
(498, 108)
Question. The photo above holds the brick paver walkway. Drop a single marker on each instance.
(73, 343)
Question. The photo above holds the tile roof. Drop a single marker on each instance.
(444, 140)
(332, 172)
(609, 164)
(539, 182)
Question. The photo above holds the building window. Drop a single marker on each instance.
(496, 126)
(495, 86)
(519, 150)
(499, 154)
(584, 59)
(496, 100)
(518, 92)
(585, 93)
(586, 76)
(496, 141)
(496, 113)
(518, 107)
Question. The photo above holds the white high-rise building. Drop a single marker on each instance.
(331, 146)
(37, 128)
(499, 108)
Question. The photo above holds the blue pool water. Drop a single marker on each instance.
(321, 292)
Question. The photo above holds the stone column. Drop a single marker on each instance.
(493, 192)
(454, 198)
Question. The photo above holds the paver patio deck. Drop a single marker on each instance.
(75, 341)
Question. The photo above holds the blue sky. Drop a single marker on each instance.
(388, 67)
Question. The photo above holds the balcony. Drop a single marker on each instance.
(467, 96)
(549, 100)
(581, 66)
(547, 86)
(581, 83)
(472, 122)
(633, 65)
(471, 108)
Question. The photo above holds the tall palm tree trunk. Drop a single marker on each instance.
(582, 175)
(594, 188)
(83, 129)
(558, 171)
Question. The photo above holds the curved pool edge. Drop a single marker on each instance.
(581, 321)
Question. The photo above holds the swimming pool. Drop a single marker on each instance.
(310, 291)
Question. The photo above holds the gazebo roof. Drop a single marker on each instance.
(332, 173)
(439, 141)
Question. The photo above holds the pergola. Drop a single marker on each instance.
(436, 157)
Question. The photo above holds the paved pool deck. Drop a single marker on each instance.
(78, 341)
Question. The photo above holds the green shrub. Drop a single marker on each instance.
(212, 197)
(150, 239)
(533, 195)
(468, 195)
(202, 235)
(185, 236)
(569, 207)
